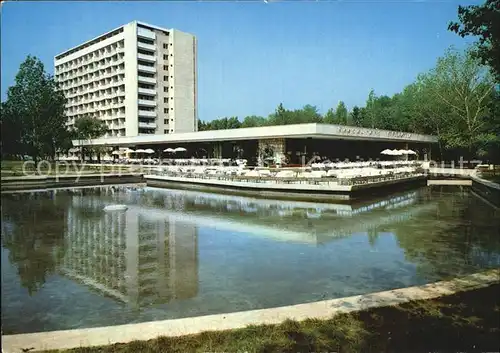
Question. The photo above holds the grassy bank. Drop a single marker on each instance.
(493, 178)
(466, 321)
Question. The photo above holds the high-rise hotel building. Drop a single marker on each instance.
(140, 79)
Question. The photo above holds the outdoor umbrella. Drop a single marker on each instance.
(140, 150)
(115, 152)
(180, 149)
(169, 150)
(403, 152)
(149, 151)
(411, 152)
(128, 150)
(386, 151)
(396, 153)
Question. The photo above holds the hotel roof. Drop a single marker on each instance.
(94, 40)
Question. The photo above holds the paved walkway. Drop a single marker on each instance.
(452, 171)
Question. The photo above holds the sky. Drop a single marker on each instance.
(254, 55)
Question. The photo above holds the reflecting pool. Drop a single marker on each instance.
(67, 264)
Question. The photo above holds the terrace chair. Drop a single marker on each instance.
(199, 172)
(264, 172)
(318, 173)
(212, 172)
(331, 173)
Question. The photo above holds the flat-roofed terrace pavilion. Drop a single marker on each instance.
(294, 143)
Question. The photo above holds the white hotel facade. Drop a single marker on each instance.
(140, 79)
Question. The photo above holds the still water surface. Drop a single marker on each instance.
(68, 264)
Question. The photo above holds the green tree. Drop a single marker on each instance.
(355, 116)
(308, 114)
(36, 241)
(482, 21)
(88, 128)
(233, 123)
(220, 124)
(370, 121)
(359, 117)
(428, 115)
(254, 121)
(11, 129)
(281, 116)
(341, 114)
(38, 104)
(464, 87)
(203, 126)
(489, 141)
(382, 113)
(329, 117)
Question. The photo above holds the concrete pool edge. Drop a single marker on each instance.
(325, 309)
(12, 184)
(299, 192)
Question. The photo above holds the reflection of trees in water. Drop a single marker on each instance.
(373, 235)
(462, 235)
(36, 239)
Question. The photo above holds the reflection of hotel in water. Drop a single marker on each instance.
(129, 257)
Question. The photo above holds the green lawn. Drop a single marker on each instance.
(467, 321)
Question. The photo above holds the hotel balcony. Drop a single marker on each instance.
(147, 125)
(150, 58)
(147, 91)
(142, 45)
(147, 103)
(150, 80)
(147, 113)
(144, 33)
(148, 69)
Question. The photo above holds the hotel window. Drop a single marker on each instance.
(165, 110)
(165, 89)
(165, 45)
(165, 100)
(165, 67)
(165, 56)
(165, 121)
(165, 78)
(165, 131)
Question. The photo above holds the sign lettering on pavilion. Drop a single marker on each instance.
(355, 131)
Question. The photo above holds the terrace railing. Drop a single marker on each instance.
(287, 180)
